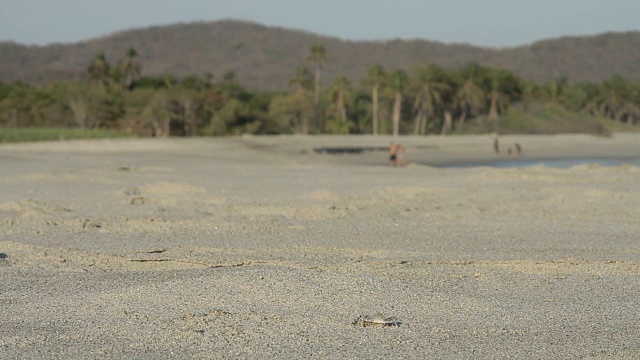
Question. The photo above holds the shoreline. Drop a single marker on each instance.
(442, 151)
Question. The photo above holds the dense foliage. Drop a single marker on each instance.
(428, 100)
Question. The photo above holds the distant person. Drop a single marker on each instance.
(401, 155)
(393, 154)
(518, 149)
(496, 144)
(510, 151)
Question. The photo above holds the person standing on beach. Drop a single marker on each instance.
(393, 153)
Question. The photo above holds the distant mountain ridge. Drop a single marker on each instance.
(266, 57)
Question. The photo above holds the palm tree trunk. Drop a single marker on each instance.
(161, 127)
(79, 110)
(317, 121)
(417, 123)
(157, 132)
(316, 95)
(493, 109)
(188, 118)
(397, 104)
(463, 116)
(342, 108)
(374, 99)
(300, 124)
(447, 125)
(423, 127)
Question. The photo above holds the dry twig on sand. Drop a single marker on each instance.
(190, 262)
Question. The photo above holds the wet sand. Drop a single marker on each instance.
(259, 247)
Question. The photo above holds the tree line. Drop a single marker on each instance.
(429, 99)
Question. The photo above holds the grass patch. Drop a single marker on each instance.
(8, 135)
(543, 119)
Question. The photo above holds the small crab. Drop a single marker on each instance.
(376, 320)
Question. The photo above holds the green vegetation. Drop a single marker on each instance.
(547, 119)
(429, 100)
(54, 134)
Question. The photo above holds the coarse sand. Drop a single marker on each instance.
(263, 247)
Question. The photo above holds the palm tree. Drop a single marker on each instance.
(469, 99)
(130, 67)
(556, 89)
(302, 81)
(158, 114)
(429, 96)
(530, 91)
(229, 84)
(397, 82)
(341, 94)
(498, 100)
(375, 79)
(504, 86)
(99, 69)
(294, 110)
(613, 100)
(630, 111)
(318, 57)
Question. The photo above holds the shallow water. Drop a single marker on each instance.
(554, 163)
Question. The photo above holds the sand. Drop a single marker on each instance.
(259, 247)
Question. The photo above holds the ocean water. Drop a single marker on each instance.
(554, 163)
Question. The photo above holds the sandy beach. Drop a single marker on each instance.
(262, 247)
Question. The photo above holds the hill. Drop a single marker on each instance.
(266, 57)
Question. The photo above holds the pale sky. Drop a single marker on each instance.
(496, 23)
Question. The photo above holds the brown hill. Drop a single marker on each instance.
(266, 57)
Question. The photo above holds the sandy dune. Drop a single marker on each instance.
(259, 247)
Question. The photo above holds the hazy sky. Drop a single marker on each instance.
(495, 23)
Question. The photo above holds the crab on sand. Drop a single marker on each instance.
(376, 320)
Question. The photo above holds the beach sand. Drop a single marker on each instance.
(259, 247)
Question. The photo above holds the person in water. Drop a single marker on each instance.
(393, 154)
(518, 149)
